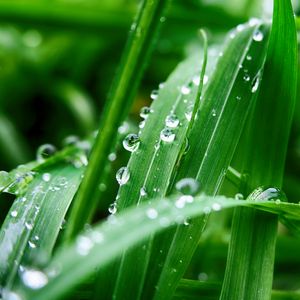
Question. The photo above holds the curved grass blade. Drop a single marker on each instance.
(213, 139)
(249, 270)
(136, 54)
(105, 242)
(30, 230)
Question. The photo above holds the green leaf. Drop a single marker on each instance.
(262, 154)
(102, 244)
(138, 49)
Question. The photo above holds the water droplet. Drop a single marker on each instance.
(255, 83)
(28, 225)
(239, 196)
(232, 35)
(167, 135)
(213, 113)
(123, 128)
(187, 186)
(112, 156)
(188, 115)
(254, 22)
(216, 206)
(70, 140)
(162, 19)
(84, 245)
(131, 142)
(152, 213)
(258, 36)
(185, 89)
(112, 209)
(142, 124)
(32, 38)
(102, 187)
(145, 112)
(249, 57)
(9, 295)
(154, 94)
(246, 77)
(31, 244)
(122, 175)
(34, 279)
(143, 192)
(45, 151)
(240, 27)
(161, 85)
(46, 177)
(172, 121)
(267, 194)
(14, 213)
(238, 97)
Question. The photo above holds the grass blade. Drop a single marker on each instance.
(249, 270)
(138, 49)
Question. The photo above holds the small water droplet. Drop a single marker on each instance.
(213, 113)
(161, 85)
(172, 121)
(145, 112)
(255, 83)
(188, 115)
(14, 213)
(240, 27)
(28, 225)
(185, 89)
(45, 151)
(143, 192)
(254, 22)
(167, 135)
(84, 245)
(112, 156)
(112, 209)
(154, 94)
(188, 186)
(123, 128)
(70, 140)
(152, 213)
(249, 57)
(131, 142)
(46, 177)
(31, 244)
(162, 19)
(122, 175)
(258, 36)
(232, 35)
(238, 97)
(239, 196)
(34, 279)
(216, 206)
(142, 124)
(246, 77)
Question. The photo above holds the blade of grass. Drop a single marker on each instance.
(135, 57)
(105, 242)
(249, 269)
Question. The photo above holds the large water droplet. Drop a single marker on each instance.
(188, 186)
(145, 112)
(131, 142)
(172, 121)
(34, 279)
(122, 175)
(267, 194)
(167, 135)
(45, 151)
(258, 36)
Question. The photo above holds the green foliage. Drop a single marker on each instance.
(213, 165)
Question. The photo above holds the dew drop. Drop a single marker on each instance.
(123, 128)
(216, 206)
(9, 295)
(185, 89)
(249, 57)
(254, 22)
(70, 140)
(145, 112)
(31, 244)
(255, 83)
(14, 213)
(161, 85)
(112, 156)
(112, 209)
(143, 192)
(28, 225)
(34, 279)
(187, 186)
(46, 177)
(172, 121)
(152, 213)
(84, 245)
(122, 175)
(267, 194)
(154, 94)
(131, 142)
(167, 135)
(213, 113)
(258, 36)
(246, 77)
(238, 97)
(188, 115)
(239, 196)
(240, 27)
(45, 151)
(142, 124)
